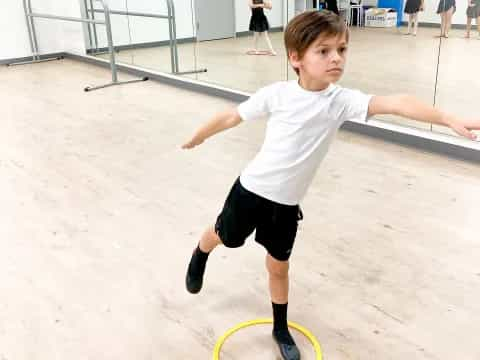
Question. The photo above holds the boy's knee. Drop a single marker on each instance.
(278, 271)
(226, 237)
(227, 240)
(212, 234)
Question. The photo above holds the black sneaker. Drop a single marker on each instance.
(194, 278)
(288, 349)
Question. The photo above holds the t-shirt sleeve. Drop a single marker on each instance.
(257, 106)
(355, 105)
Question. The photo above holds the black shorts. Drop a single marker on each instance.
(275, 224)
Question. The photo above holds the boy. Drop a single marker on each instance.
(304, 116)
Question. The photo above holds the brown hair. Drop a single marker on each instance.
(306, 27)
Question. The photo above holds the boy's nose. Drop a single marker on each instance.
(336, 57)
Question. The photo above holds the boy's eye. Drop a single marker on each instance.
(324, 51)
(342, 50)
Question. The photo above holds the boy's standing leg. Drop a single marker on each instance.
(278, 283)
(196, 267)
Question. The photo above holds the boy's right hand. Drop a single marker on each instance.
(192, 143)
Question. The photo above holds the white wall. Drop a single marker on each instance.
(13, 31)
(52, 35)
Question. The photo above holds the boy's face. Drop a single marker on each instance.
(323, 61)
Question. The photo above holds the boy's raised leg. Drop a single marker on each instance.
(198, 262)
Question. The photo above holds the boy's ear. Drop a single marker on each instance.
(294, 58)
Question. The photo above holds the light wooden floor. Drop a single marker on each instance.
(380, 61)
(100, 210)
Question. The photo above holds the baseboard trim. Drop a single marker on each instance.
(27, 58)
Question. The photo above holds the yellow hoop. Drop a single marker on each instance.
(305, 332)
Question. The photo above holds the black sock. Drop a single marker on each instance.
(203, 256)
(198, 262)
(280, 324)
(280, 316)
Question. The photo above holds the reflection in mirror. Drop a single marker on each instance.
(96, 36)
(240, 42)
(397, 50)
(150, 34)
(394, 45)
(232, 43)
(380, 59)
(458, 80)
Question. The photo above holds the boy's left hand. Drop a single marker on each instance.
(464, 127)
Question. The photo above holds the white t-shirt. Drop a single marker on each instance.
(301, 125)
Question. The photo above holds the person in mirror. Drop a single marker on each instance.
(303, 116)
(331, 5)
(473, 12)
(412, 8)
(259, 25)
(446, 8)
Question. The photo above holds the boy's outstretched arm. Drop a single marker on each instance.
(221, 121)
(410, 107)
